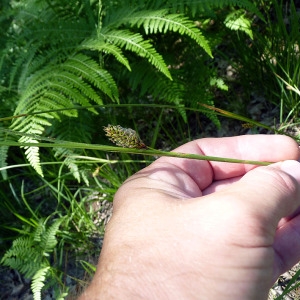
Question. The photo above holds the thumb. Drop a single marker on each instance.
(274, 191)
(272, 198)
(259, 200)
(286, 242)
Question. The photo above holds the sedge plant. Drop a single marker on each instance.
(62, 68)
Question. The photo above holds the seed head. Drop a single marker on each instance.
(124, 137)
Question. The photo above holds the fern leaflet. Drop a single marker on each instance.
(100, 45)
(135, 42)
(161, 21)
(38, 282)
(48, 240)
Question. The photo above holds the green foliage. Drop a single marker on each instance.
(65, 68)
(65, 54)
(3, 152)
(273, 50)
(199, 6)
(238, 21)
(59, 58)
(40, 252)
(160, 21)
(38, 282)
(282, 55)
(77, 130)
(30, 254)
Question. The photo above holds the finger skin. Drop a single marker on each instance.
(190, 178)
(270, 148)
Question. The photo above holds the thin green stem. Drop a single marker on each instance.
(149, 152)
(204, 108)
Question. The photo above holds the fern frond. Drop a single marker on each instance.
(101, 46)
(160, 88)
(32, 154)
(55, 100)
(161, 21)
(26, 266)
(62, 88)
(39, 231)
(199, 6)
(136, 43)
(92, 73)
(21, 65)
(238, 21)
(38, 282)
(67, 129)
(71, 92)
(33, 124)
(115, 15)
(72, 80)
(49, 41)
(4, 136)
(37, 63)
(49, 240)
(23, 256)
(29, 254)
(3, 162)
(71, 163)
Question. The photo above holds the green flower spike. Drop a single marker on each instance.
(124, 137)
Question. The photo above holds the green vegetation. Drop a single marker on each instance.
(68, 68)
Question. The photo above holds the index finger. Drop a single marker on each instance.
(270, 148)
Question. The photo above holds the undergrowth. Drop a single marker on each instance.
(68, 68)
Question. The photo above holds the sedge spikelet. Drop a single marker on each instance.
(124, 137)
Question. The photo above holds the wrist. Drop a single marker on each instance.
(122, 273)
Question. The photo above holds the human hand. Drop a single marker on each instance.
(186, 229)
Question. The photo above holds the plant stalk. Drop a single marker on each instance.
(150, 152)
